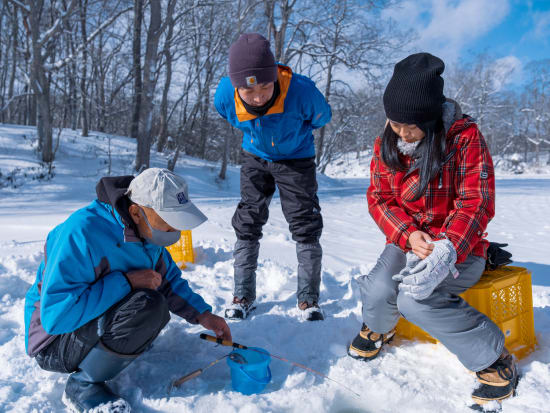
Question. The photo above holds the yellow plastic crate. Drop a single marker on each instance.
(182, 251)
(505, 296)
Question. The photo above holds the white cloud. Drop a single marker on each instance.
(508, 69)
(446, 27)
(541, 26)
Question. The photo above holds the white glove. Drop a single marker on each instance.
(412, 261)
(420, 281)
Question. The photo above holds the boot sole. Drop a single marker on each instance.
(480, 401)
(125, 408)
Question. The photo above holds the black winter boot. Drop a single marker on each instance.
(86, 390)
(498, 381)
(367, 344)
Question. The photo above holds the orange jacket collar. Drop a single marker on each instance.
(284, 76)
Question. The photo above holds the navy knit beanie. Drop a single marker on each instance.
(414, 94)
(251, 61)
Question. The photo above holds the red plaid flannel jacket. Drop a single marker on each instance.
(458, 203)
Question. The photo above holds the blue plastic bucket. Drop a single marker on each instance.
(252, 376)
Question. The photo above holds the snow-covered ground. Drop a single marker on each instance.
(353, 165)
(408, 377)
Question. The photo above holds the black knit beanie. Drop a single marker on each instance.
(414, 94)
(251, 61)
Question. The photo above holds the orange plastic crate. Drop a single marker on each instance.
(505, 296)
(182, 251)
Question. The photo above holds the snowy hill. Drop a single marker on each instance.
(408, 377)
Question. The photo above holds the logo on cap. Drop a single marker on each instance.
(182, 199)
(251, 80)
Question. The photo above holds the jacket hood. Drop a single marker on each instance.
(112, 191)
(454, 120)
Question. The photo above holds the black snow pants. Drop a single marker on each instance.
(297, 183)
(128, 327)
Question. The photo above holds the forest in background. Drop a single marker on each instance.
(149, 69)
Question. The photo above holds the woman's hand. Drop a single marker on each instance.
(216, 324)
(419, 242)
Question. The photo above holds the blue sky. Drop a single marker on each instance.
(514, 31)
(524, 32)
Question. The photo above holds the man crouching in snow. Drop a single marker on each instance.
(107, 285)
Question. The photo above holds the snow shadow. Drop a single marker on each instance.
(210, 256)
(540, 273)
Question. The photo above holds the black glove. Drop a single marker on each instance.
(496, 256)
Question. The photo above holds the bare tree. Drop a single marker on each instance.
(281, 11)
(136, 55)
(243, 10)
(83, 6)
(478, 86)
(156, 27)
(168, 56)
(343, 40)
(43, 64)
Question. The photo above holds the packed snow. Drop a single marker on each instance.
(407, 377)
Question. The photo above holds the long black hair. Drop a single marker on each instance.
(428, 156)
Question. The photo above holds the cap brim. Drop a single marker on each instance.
(185, 218)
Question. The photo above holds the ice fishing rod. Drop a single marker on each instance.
(242, 347)
(233, 356)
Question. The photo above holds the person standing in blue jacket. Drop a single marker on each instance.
(107, 285)
(277, 110)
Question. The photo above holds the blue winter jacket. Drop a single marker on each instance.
(285, 131)
(82, 273)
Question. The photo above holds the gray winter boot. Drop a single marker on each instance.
(246, 261)
(86, 390)
(309, 257)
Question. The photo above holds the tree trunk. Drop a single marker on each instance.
(204, 122)
(14, 35)
(102, 112)
(136, 52)
(163, 132)
(41, 87)
(280, 34)
(149, 78)
(70, 71)
(225, 156)
(84, 110)
(321, 140)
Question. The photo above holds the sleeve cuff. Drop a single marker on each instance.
(127, 280)
(460, 256)
(194, 318)
(403, 238)
(123, 281)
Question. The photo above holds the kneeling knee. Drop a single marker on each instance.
(146, 308)
(153, 304)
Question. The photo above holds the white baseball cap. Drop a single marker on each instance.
(168, 195)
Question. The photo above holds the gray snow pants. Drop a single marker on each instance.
(297, 183)
(469, 334)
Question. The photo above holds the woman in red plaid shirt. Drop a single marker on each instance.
(432, 194)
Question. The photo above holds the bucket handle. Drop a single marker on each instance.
(261, 381)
